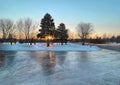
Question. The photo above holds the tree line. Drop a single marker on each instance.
(22, 27)
(24, 30)
(27, 31)
(105, 39)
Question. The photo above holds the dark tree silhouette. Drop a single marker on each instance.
(61, 33)
(84, 30)
(47, 27)
(118, 39)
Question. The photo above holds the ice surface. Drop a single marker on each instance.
(60, 68)
(42, 47)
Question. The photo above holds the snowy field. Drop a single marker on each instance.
(110, 46)
(42, 47)
(60, 68)
(114, 43)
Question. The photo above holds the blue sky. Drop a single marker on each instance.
(103, 14)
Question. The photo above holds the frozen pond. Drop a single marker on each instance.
(60, 68)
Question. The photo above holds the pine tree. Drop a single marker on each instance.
(62, 33)
(47, 27)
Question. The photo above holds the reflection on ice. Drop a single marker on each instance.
(47, 61)
(60, 68)
(2, 59)
(7, 58)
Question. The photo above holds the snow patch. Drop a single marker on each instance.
(42, 47)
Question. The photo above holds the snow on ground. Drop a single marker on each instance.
(110, 46)
(114, 43)
(42, 47)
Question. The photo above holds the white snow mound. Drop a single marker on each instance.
(42, 47)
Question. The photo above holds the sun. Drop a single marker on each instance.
(49, 37)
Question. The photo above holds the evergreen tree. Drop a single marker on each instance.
(61, 33)
(47, 27)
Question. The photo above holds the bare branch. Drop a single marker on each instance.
(6, 25)
(84, 30)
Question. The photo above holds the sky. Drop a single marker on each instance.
(103, 14)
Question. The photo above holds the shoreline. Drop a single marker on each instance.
(109, 47)
(106, 46)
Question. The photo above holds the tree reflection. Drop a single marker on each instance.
(47, 62)
(6, 58)
(84, 56)
(62, 57)
(2, 59)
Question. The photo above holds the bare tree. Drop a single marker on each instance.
(12, 35)
(2, 27)
(27, 27)
(6, 26)
(84, 30)
(33, 29)
(20, 26)
(24, 27)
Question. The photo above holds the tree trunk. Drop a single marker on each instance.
(48, 43)
(83, 41)
(11, 42)
(61, 41)
(30, 43)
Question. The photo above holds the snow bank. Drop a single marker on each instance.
(42, 47)
(114, 43)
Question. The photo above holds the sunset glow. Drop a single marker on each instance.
(49, 37)
(103, 14)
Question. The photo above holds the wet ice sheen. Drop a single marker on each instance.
(60, 68)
